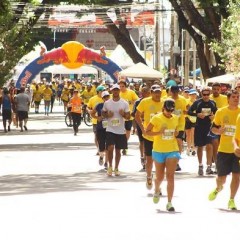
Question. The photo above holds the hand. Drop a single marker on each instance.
(121, 112)
(110, 114)
(211, 116)
(237, 151)
(221, 130)
(162, 130)
(201, 115)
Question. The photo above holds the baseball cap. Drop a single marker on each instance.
(192, 91)
(186, 89)
(169, 104)
(115, 86)
(105, 93)
(171, 83)
(174, 88)
(156, 87)
(100, 88)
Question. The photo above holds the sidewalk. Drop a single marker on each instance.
(51, 187)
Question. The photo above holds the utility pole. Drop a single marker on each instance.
(186, 67)
(157, 38)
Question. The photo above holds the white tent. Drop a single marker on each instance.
(141, 70)
(225, 79)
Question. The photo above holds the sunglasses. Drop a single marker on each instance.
(206, 94)
(169, 110)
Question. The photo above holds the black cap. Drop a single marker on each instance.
(169, 104)
(174, 89)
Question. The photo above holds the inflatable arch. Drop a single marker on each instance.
(72, 55)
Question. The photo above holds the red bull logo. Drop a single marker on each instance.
(25, 79)
(72, 55)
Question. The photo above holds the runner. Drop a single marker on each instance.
(75, 104)
(101, 129)
(224, 124)
(146, 109)
(164, 129)
(115, 110)
(204, 109)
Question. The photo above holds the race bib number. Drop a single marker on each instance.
(104, 123)
(192, 119)
(76, 108)
(206, 111)
(168, 134)
(115, 122)
(229, 130)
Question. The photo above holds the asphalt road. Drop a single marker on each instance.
(51, 187)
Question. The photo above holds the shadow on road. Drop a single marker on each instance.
(46, 183)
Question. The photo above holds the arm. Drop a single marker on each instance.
(216, 129)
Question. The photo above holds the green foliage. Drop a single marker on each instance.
(229, 47)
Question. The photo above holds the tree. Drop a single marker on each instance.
(229, 47)
(202, 19)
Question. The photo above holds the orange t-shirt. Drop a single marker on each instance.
(76, 104)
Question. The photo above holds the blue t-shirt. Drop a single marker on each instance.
(6, 103)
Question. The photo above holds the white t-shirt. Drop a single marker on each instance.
(116, 123)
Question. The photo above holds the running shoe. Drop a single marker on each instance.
(124, 152)
(193, 153)
(109, 171)
(231, 205)
(170, 207)
(149, 183)
(178, 168)
(212, 196)
(105, 166)
(200, 170)
(100, 161)
(209, 170)
(156, 197)
(116, 172)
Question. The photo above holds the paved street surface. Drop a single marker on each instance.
(51, 187)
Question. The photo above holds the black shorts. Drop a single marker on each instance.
(22, 115)
(189, 124)
(201, 136)
(6, 114)
(101, 138)
(148, 146)
(180, 135)
(139, 133)
(94, 128)
(118, 140)
(128, 125)
(227, 163)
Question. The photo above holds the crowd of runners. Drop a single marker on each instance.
(165, 117)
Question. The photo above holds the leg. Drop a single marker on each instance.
(117, 157)
(171, 164)
(234, 185)
(160, 167)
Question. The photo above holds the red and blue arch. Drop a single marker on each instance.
(72, 55)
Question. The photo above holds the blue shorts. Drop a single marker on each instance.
(162, 157)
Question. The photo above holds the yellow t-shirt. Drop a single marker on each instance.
(221, 100)
(87, 95)
(37, 95)
(92, 103)
(47, 93)
(65, 95)
(167, 141)
(226, 118)
(130, 96)
(149, 108)
(237, 132)
(180, 109)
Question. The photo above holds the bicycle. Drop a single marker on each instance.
(85, 117)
